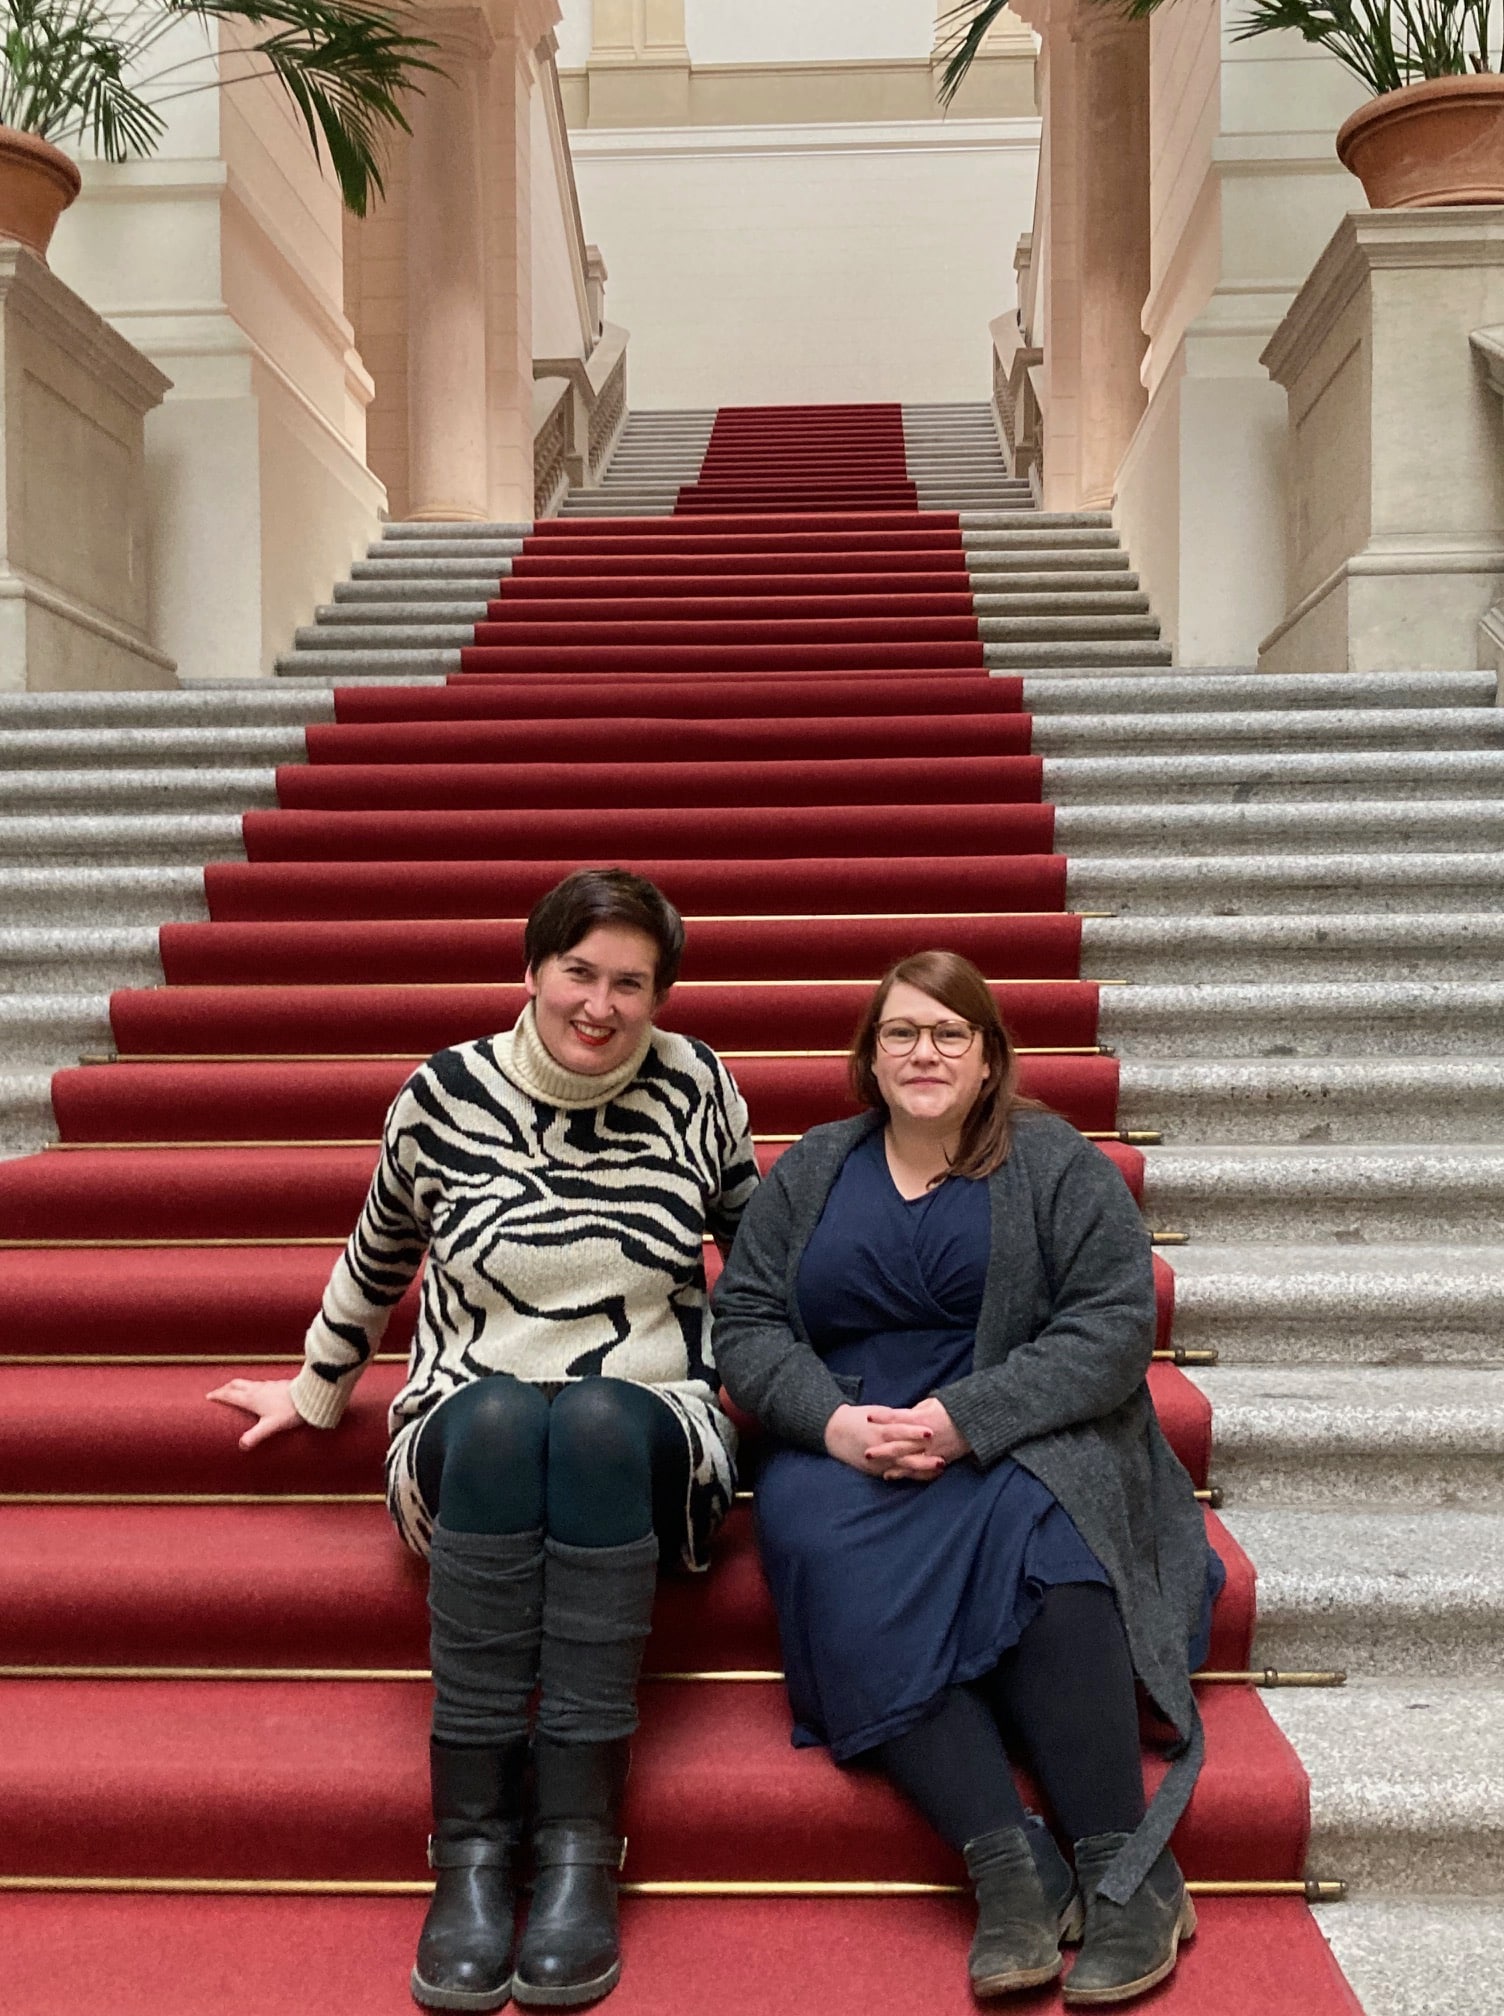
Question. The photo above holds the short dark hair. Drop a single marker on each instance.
(594, 897)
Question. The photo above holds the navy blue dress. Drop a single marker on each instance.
(888, 1593)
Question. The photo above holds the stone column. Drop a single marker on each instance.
(448, 475)
(1112, 184)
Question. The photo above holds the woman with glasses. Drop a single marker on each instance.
(976, 1536)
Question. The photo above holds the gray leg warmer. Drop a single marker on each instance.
(485, 1603)
(597, 1606)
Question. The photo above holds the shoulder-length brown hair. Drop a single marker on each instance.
(957, 985)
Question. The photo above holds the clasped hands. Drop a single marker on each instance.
(902, 1444)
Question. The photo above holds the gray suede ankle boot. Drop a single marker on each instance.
(1058, 1878)
(1129, 1948)
(1017, 1943)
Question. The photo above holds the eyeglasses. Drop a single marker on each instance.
(951, 1039)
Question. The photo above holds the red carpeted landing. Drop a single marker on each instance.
(237, 1956)
(776, 705)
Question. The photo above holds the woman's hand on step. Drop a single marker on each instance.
(270, 1400)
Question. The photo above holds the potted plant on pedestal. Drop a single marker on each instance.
(1434, 130)
(97, 71)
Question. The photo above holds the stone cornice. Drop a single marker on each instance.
(1368, 241)
(30, 289)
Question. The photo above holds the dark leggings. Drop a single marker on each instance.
(601, 1464)
(1064, 1698)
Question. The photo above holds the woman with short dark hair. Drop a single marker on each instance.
(973, 1528)
(559, 1433)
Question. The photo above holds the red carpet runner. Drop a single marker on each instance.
(774, 704)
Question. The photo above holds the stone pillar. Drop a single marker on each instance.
(74, 395)
(509, 271)
(1112, 191)
(1396, 446)
(446, 278)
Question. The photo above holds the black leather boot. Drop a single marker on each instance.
(571, 1951)
(1129, 1948)
(465, 1949)
(1017, 1943)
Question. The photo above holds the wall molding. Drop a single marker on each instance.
(955, 136)
(1001, 85)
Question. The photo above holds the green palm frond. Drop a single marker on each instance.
(960, 35)
(1384, 43)
(80, 70)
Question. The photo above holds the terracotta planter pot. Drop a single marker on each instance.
(37, 183)
(1433, 143)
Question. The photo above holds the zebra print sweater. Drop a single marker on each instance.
(562, 1218)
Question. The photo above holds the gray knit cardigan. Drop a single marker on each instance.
(1063, 1342)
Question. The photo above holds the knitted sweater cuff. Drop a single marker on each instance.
(319, 1403)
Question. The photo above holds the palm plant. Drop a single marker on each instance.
(1384, 43)
(95, 71)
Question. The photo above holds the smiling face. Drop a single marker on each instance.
(594, 1001)
(928, 1090)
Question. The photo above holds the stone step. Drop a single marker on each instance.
(1382, 1593)
(978, 526)
(440, 546)
(1303, 776)
(1372, 825)
(1043, 654)
(390, 635)
(136, 792)
(26, 1122)
(1075, 599)
(139, 748)
(402, 610)
(52, 1029)
(1354, 1304)
(1278, 1020)
(73, 958)
(1135, 694)
(1347, 1195)
(91, 897)
(1053, 555)
(391, 569)
(97, 840)
(419, 530)
(1273, 731)
(217, 704)
(394, 667)
(1407, 1796)
(1328, 1437)
(1320, 1100)
(998, 585)
(1418, 1955)
(1150, 885)
(1330, 945)
(446, 592)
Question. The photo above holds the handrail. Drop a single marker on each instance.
(576, 423)
(1017, 392)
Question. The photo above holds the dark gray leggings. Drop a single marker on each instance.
(601, 1463)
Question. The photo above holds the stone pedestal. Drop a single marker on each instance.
(74, 396)
(1396, 446)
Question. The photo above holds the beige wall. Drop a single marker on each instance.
(819, 263)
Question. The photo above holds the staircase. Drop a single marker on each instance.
(1257, 920)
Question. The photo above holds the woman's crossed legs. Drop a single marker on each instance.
(1064, 1695)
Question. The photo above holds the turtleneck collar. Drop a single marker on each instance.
(533, 1068)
